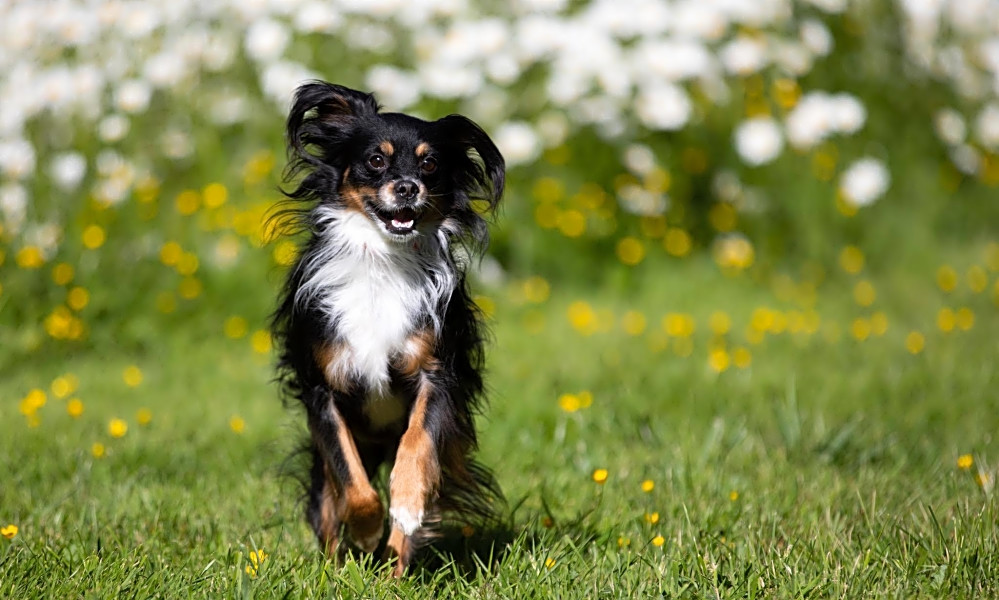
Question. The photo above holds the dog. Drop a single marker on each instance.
(376, 332)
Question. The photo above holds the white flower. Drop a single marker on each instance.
(517, 142)
(810, 121)
(266, 40)
(950, 126)
(864, 181)
(165, 69)
(13, 202)
(133, 96)
(744, 55)
(553, 127)
(848, 114)
(280, 79)
(313, 17)
(830, 6)
(113, 128)
(816, 37)
(17, 158)
(67, 170)
(639, 159)
(758, 141)
(663, 106)
(987, 125)
(446, 81)
(966, 158)
(672, 59)
(640, 201)
(395, 87)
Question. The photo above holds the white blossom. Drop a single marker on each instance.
(758, 141)
(864, 181)
(67, 170)
(266, 40)
(664, 106)
(517, 142)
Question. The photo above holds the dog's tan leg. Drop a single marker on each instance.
(351, 501)
(414, 482)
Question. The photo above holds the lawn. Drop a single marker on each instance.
(685, 433)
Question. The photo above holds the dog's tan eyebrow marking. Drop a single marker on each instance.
(387, 148)
(423, 149)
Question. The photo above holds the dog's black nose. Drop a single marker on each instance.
(406, 189)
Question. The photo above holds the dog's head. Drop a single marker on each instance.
(410, 177)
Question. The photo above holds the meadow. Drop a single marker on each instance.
(743, 294)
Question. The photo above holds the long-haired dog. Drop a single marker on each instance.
(377, 335)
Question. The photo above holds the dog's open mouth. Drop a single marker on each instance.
(399, 222)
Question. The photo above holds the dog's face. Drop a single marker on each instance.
(410, 177)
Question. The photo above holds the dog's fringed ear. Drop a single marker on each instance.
(490, 176)
(321, 112)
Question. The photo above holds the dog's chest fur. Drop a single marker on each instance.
(374, 295)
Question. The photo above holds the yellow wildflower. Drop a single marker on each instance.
(549, 562)
(914, 342)
(117, 428)
(237, 424)
(257, 558)
(78, 298)
(235, 327)
(9, 531)
(652, 518)
(62, 274)
(600, 476)
(569, 402)
(93, 237)
(851, 260)
(143, 416)
(965, 461)
(633, 322)
(536, 289)
(946, 278)
(261, 341)
(648, 485)
(29, 257)
(97, 450)
(658, 541)
(132, 376)
(630, 251)
(74, 407)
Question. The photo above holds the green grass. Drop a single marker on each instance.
(824, 469)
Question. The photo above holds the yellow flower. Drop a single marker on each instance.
(486, 305)
(965, 461)
(652, 518)
(741, 357)
(235, 327)
(569, 402)
(851, 260)
(571, 223)
(623, 542)
(630, 251)
(143, 416)
(677, 242)
(648, 485)
(863, 293)
(914, 342)
(93, 237)
(536, 289)
(97, 450)
(237, 424)
(585, 399)
(733, 495)
(549, 562)
(170, 253)
(188, 264)
(285, 253)
(719, 322)
(658, 541)
(582, 317)
(946, 278)
(600, 476)
(62, 274)
(946, 320)
(63, 386)
(30, 404)
(719, 360)
(190, 288)
(74, 407)
(117, 428)
(215, 195)
(978, 279)
(188, 202)
(257, 558)
(29, 257)
(261, 341)
(132, 376)
(78, 298)
(860, 329)
(9, 531)
(633, 322)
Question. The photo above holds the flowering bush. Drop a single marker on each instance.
(139, 135)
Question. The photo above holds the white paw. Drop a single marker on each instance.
(406, 520)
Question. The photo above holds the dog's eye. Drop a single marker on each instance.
(376, 161)
(428, 165)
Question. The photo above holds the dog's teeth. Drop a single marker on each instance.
(402, 224)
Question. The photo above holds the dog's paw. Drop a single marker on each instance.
(408, 521)
(366, 524)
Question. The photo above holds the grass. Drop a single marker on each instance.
(828, 467)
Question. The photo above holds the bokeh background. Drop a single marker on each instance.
(141, 148)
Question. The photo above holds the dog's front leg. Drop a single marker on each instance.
(355, 502)
(415, 477)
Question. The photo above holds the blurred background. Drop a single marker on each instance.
(808, 149)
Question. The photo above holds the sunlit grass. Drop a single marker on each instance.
(742, 443)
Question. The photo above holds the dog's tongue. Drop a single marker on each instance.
(408, 224)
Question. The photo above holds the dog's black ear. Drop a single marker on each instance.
(488, 177)
(321, 112)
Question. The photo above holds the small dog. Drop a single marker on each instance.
(377, 335)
